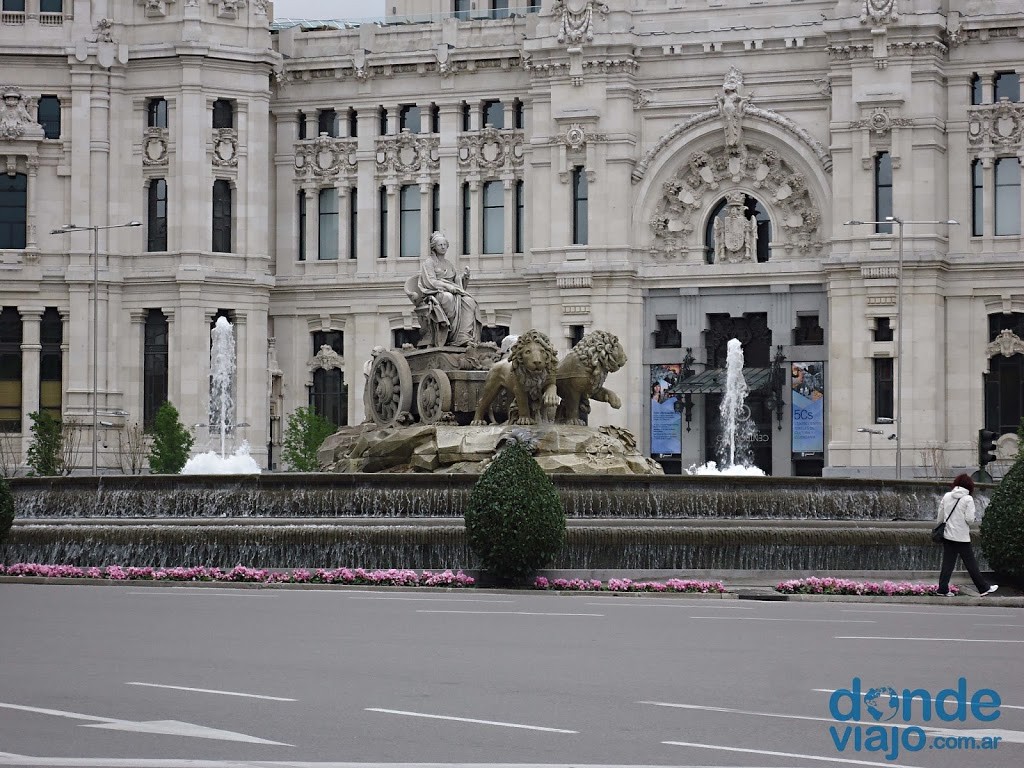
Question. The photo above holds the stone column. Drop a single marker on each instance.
(173, 361)
(426, 214)
(134, 397)
(312, 223)
(509, 209)
(31, 347)
(449, 173)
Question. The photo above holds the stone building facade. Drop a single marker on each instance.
(678, 172)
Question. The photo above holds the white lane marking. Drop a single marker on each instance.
(833, 690)
(781, 754)
(760, 618)
(1016, 737)
(999, 625)
(620, 602)
(511, 613)
(9, 758)
(209, 690)
(937, 639)
(167, 727)
(469, 720)
(429, 599)
(943, 614)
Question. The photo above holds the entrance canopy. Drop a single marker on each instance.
(713, 380)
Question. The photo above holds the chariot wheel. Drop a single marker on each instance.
(390, 388)
(434, 396)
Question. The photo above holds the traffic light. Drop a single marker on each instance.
(986, 447)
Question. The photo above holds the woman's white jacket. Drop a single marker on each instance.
(957, 528)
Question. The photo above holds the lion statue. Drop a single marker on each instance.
(529, 376)
(581, 376)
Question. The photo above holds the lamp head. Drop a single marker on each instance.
(852, 222)
(134, 223)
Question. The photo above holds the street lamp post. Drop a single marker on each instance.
(899, 323)
(871, 448)
(95, 318)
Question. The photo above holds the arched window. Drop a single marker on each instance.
(10, 370)
(13, 210)
(752, 209)
(51, 368)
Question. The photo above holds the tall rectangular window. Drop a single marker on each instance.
(435, 118)
(467, 217)
(51, 365)
(13, 210)
(382, 222)
(494, 217)
(223, 113)
(1007, 196)
(156, 215)
(300, 205)
(300, 121)
(977, 199)
(353, 123)
(221, 216)
(494, 114)
(327, 208)
(327, 122)
(520, 216)
(409, 118)
(154, 367)
(353, 222)
(10, 370)
(1007, 86)
(883, 192)
(409, 220)
(435, 208)
(459, 7)
(156, 112)
(51, 6)
(48, 115)
(499, 9)
(883, 387)
(579, 206)
(518, 118)
(382, 115)
(464, 107)
(976, 90)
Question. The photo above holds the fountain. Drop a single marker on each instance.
(222, 381)
(737, 427)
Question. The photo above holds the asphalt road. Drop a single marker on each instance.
(169, 676)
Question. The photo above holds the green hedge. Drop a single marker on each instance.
(1002, 526)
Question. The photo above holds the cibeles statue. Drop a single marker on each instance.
(448, 315)
(735, 234)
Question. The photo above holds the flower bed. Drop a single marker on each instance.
(392, 578)
(832, 586)
(628, 585)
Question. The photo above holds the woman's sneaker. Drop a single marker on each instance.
(990, 590)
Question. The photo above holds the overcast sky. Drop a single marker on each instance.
(328, 9)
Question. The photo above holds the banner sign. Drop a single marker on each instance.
(808, 384)
(666, 423)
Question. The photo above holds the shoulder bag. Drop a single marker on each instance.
(939, 531)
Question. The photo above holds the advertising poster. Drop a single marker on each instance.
(808, 383)
(666, 424)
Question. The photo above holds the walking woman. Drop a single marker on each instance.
(957, 510)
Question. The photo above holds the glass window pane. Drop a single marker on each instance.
(977, 199)
(409, 221)
(13, 210)
(1007, 196)
(48, 114)
(409, 118)
(1007, 86)
(328, 224)
(494, 114)
(494, 217)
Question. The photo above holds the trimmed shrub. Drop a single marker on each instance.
(1002, 526)
(514, 518)
(172, 442)
(6, 508)
(305, 433)
(44, 456)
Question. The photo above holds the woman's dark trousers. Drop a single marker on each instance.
(962, 549)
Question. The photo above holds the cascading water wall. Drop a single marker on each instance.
(737, 428)
(222, 374)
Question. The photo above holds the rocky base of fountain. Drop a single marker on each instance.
(440, 448)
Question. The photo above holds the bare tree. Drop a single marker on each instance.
(933, 459)
(10, 454)
(132, 449)
(70, 444)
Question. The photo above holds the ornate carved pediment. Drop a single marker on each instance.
(690, 190)
(225, 147)
(881, 122)
(325, 158)
(491, 151)
(1000, 126)
(16, 110)
(154, 147)
(155, 8)
(327, 359)
(407, 154)
(577, 19)
(228, 9)
(1007, 344)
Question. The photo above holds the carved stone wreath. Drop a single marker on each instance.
(408, 153)
(325, 158)
(577, 19)
(225, 147)
(999, 125)
(881, 122)
(879, 12)
(154, 146)
(491, 150)
(709, 175)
